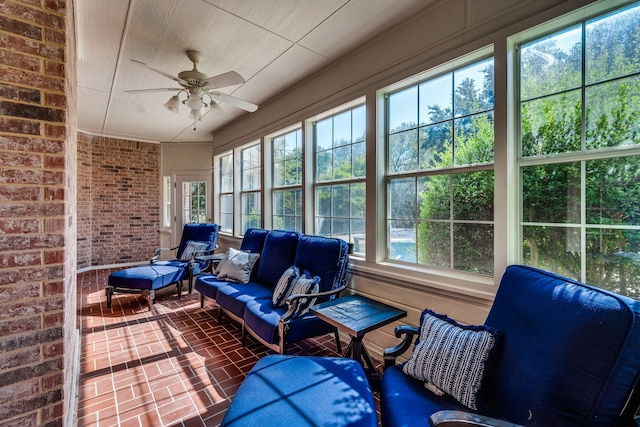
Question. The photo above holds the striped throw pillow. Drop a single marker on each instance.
(453, 357)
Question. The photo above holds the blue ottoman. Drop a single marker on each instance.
(145, 280)
(303, 391)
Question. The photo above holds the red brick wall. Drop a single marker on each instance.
(84, 201)
(118, 200)
(37, 292)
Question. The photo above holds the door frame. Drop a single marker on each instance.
(179, 178)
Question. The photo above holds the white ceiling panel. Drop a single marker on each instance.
(272, 44)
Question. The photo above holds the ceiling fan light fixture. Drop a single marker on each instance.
(195, 115)
(194, 102)
(173, 104)
(216, 109)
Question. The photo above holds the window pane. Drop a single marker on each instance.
(403, 151)
(340, 200)
(402, 241)
(613, 260)
(436, 100)
(358, 200)
(359, 125)
(403, 109)
(473, 248)
(552, 64)
(402, 198)
(551, 193)
(473, 196)
(342, 129)
(551, 125)
(324, 166)
(324, 134)
(323, 201)
(474, 139)
(552, 248)
(613, 191)
(435, 146)
(435, 197)
(251, 210)
(359, 153)
(474, 88)
(434, 244)
(342, 162)
(612, 114)
(612, 45)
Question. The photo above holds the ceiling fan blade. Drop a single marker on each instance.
(162, 73)
(160, 89)
(223, 80)
(236, 102)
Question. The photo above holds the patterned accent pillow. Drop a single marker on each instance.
(192, 248)
(453, 357)
(283, 288)
(305, 284)
(237, 266)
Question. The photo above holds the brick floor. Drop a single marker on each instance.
(172, 366)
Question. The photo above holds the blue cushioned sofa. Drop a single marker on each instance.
(570, 356)
(251, 303)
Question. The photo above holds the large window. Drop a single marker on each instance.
(579, 158)
(225, 196)
(440, 170)
(340, 172)
(286, 155)
(250, 195)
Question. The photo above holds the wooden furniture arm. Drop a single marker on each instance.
(454, 418)
(293, 300)
(159, 251)
(408, 333)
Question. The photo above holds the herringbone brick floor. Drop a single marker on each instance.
(172, 366)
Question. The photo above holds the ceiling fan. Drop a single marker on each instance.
(199, 88)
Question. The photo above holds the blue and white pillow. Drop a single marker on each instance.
(283, 288)
(192, 248)
(453, 357)
(305, 284)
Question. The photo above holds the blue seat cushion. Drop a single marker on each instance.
(233, 297)
(262, 317)
(405, 402)
(146, 277)
(208, 285)
(303, 391)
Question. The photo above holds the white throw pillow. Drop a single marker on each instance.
(237, 266)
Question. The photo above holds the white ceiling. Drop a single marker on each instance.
(271, 43)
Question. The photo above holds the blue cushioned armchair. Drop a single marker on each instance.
(196, 240)
(570, 356)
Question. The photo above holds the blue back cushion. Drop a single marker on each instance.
(200, 233)
(324, 257)
(253, 239)
(277, 255)
(570, 352)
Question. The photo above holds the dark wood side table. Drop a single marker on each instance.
(357, 315)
